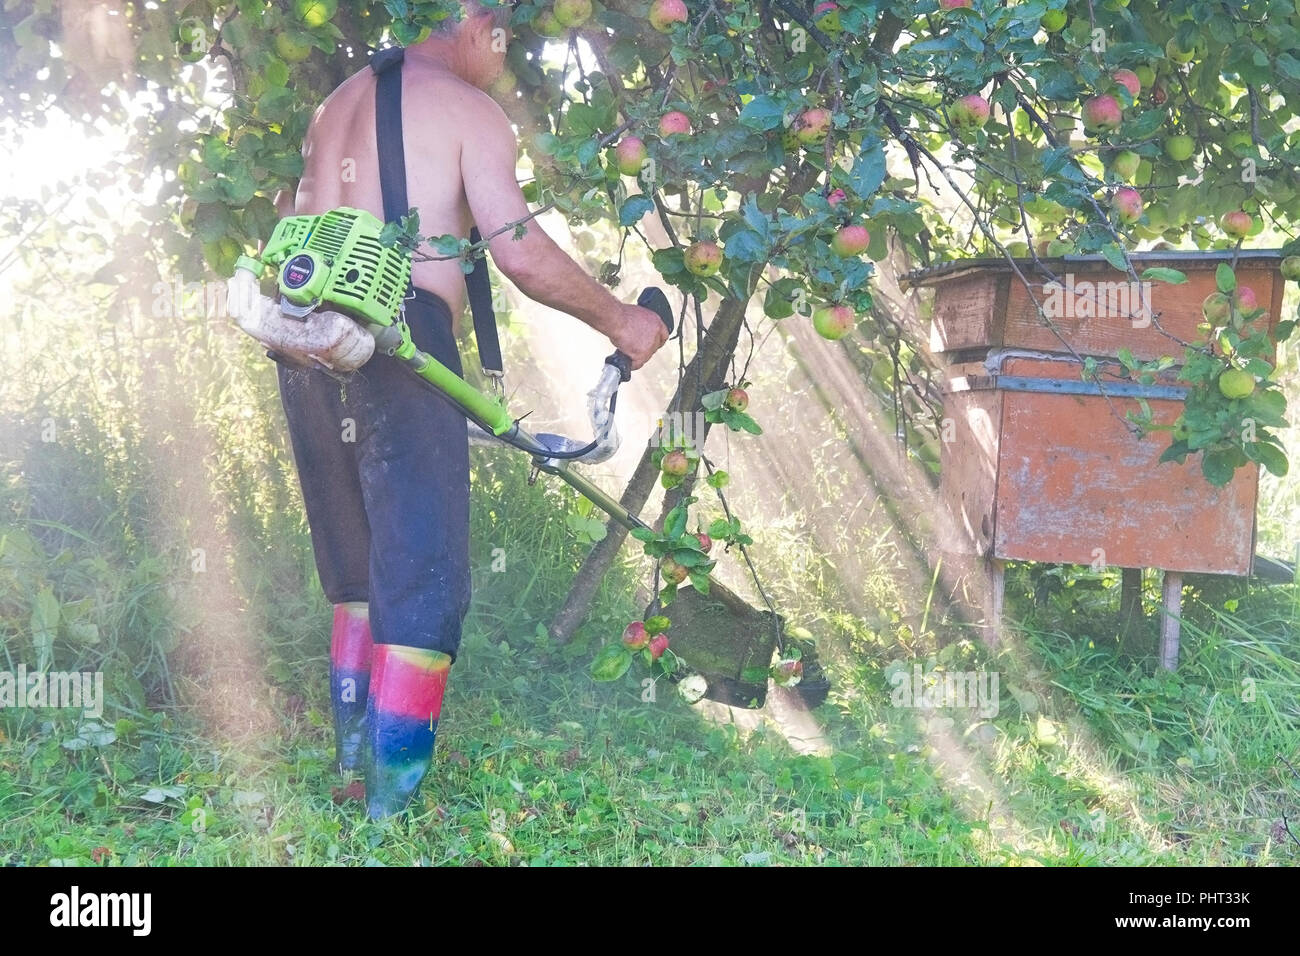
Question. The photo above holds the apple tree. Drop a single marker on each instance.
(785, 148)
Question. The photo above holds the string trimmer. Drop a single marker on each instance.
(341, 298)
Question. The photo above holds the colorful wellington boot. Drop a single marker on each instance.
(350, 651)
(406, 686)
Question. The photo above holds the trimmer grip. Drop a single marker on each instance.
(651, 298)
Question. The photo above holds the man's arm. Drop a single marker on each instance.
(541, 269)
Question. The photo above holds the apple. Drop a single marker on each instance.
(1146, 76)
(629, 155)
(1236, 383)
(291, 49)
(811, 126)
(954, 4)
(1129, 80)
(1247, 301)
(1291, 268)
(706, 543)
(675, 463)
(635, 636)
(1060, 247)
(1054, 21)
(737, 400)
(1180, 148)
(1237, 224)
(665, 14)
(1159, 94)
(1216, 308)
(1102, 113)
(1125, 164)
(836, 197)
(969, 112)
(545, 24)
(1239, 141)
(572, 13)
(703, 258)
(787, 673)
(658, 644)
(826, 15)
(1127, 203)
(315, 12)
(674, 123)
(834, 321)
(672, 572)
(851, 241)
(1177, 53)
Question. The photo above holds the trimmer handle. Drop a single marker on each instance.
(653, 299)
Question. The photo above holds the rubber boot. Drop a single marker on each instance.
(406, 687)
(350, 652)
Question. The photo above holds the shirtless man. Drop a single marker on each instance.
(384, 465)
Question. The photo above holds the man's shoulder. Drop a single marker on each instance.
(446, 91)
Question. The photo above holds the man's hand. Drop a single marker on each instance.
(639, 334)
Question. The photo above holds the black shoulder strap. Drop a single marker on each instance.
(392, 182)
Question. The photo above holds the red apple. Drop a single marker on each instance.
(969, 112)
(1102, 113)
(664, 14)
(834, 321)
(954, 4)
(787, 673)
(675, 463)
(1237, 224)
(1247, 301)
(658, 644)
(737, 400)
(674, 123)
(1127, 204)
(629, 154)
(811, 126)
(836, 197)
(635, 636)
(706, 543)
(1129, 80)
(851, 241)
(703, 258)
(672, 572)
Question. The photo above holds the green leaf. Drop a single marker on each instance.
(675, 523)
(868, 170)
(611, 662)
(1114, 254)
(700, 581)
(632, 210)
(45, 625)
(1268, 455)
(1162, 274)
(1218, 467)
(1225, 278)
(762, 113)
(643, 534)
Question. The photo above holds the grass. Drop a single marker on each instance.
(163, 523)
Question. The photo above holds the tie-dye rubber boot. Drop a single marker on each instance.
(406, 686)
(350, 652)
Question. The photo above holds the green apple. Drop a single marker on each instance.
(1180, 148)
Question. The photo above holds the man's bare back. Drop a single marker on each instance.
(461, 155)
(342, 163)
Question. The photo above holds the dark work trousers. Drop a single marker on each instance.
(384, 468)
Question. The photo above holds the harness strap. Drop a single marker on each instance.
(392, 181)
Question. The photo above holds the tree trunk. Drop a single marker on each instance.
(705, 372)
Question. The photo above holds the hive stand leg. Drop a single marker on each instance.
(1170, 612)
(995, 575)
(1130, 601)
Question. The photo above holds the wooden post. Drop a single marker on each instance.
(995, 577)
(1170, 612)
(1130, 597)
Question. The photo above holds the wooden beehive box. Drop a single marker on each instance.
(1038, 465)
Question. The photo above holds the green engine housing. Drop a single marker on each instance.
(336, 260)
